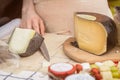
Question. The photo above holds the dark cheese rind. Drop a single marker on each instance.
(33, 46)
(112, 33)
(117, 21)
(109, 26)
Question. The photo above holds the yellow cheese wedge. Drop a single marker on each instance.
(95, 33)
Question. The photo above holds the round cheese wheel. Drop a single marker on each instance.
(61, 69)
(84, 76)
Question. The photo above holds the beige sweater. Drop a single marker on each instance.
(58, 14)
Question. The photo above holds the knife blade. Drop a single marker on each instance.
(44, 51)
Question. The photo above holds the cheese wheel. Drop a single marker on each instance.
(84, 76)
(95, 33)
(61, 70)
(25, 42)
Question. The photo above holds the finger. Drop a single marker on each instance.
(26, 24)
(22, 24)
(29, 25)
(42, 27)
(36, 26)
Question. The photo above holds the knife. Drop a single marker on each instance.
(44, 51)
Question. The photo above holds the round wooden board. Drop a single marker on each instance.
(83, 56)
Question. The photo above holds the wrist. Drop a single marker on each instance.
(27, 6)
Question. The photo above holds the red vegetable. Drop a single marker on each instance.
(116, 62)
(95, 71)
(98, 76)
(78, 68)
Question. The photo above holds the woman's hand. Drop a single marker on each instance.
(30, 19)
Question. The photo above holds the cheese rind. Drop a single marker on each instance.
(96, 36)
(117, 21)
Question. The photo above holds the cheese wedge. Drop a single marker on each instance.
(95, 33)
(24, 42)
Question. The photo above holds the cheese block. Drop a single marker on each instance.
(95, 33)
(24, 42)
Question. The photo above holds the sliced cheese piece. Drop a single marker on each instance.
(106, 75)
(24, 42)
(104, 68)
(95, 33)
(98, 63)
(109, 63)
(118, 65)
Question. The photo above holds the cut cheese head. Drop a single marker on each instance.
(94, 32)
(88, 36)
(24, 42)
(19, 38)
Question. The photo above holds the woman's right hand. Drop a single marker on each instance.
(30, 19)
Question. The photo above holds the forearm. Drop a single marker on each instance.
(27, 6)
(30, 19)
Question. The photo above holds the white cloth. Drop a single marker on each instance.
(8, 28)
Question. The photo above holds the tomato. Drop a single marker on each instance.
(98, 76)
(79, 68)
(95, 71)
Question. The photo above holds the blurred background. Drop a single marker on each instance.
(11, 9)
(113, 4)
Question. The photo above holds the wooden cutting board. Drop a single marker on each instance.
(83, 56)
